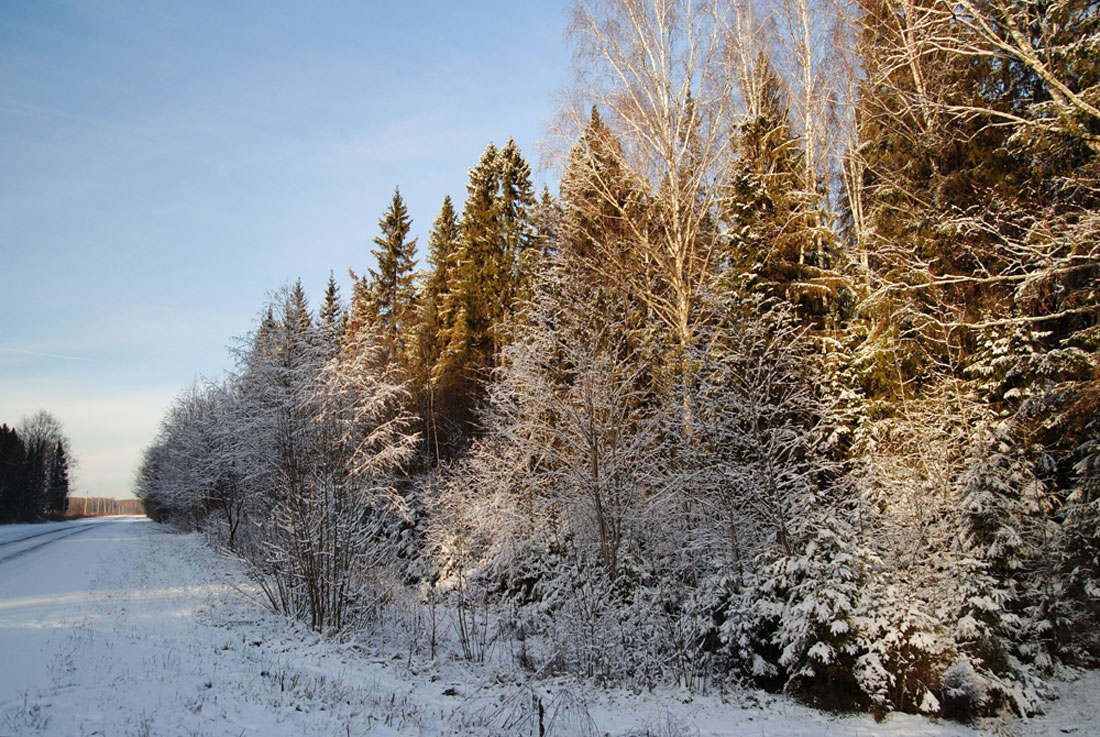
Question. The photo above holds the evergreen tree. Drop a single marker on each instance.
(495, 241)
(432, 398)
(516, 204)
(36, 466)
(777, 239)
(12, 474)
(1080, 553)
(390, 291)
(333, 318)
(1002, 503)
(57, 490)
(41, 435)
(472, 294)
(442, 254)
(360, 316)
(599, 204)
(602, 212)
(547, 220)
(975, 192)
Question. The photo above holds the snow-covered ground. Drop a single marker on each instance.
(119, 627)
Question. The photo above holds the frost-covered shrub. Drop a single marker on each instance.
(964, 694)
(902, 650)
(579, 615)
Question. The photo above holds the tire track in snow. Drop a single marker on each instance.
(63, 534)
(54, 529)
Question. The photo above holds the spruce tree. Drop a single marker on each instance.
(432, 397)
(57, 490)
(516, 204)
(776, 239)
(597, 200)
(360, 314)
(35, 479)
(974, 187)
(333, 318)
(12, 474)
(442, 254)
(601, 213)
(472, 297)
(547, 216)
(980, 197)
(495, 248)
(391, 292)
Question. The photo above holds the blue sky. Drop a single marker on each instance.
(166, 164)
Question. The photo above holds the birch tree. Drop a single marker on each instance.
(660, 76)
(571, 398)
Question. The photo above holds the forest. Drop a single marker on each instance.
(34, 470)
(793, 383)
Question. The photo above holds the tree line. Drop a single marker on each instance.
(794, 382)
(98, 506)
(34, 470)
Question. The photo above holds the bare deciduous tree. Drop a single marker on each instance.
(660, 73)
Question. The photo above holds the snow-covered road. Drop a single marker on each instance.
(116, 626)
(119, 627)
(44, 577)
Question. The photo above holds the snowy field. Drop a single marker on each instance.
(116, 626)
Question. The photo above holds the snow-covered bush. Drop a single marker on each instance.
(291, 464)
(1080, 555)
(793, 624)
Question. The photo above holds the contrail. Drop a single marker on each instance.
(61, 356)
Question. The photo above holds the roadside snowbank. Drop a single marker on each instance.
(129, 629)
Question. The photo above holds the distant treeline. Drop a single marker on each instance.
(97, 506)
(34, 470)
